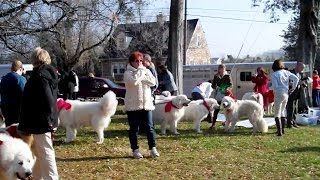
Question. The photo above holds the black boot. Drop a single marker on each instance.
(209, 118)
(294, 124)
(289, 123)
(283, 122)
(278, 124)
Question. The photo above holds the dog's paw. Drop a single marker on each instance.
(99, 142)
(67, 141)
(163, 133)
(199, 131)
(176, 133)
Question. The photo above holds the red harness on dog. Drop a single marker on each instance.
(12, 130)
(206, 105)
(63, 104)
(228, 93)
(168, 106)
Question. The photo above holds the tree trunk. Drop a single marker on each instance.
(308, 31)
(175, 47)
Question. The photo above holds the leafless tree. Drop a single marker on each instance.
(69, 29)
(147, 37)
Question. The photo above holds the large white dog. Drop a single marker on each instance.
(96, 114)
(198, 110)
(170, 113)
(235, 109)
(254, 96)
(16, 160)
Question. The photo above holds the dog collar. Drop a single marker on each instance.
(168, 106)
(206, 105)
(63, 104)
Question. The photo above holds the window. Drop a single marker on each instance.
(245, 76)
(118, 68)
(121, 42)
(115, 69)
(121, 68)
(198, 40)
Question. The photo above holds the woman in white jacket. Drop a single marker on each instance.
(139, 103)
(280, 85)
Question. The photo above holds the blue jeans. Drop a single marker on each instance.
(141, 118)
(196, 96)
(316, 98)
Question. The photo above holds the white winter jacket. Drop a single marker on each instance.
(138, 92)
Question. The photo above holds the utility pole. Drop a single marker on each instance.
(175, 46)
(185, 33)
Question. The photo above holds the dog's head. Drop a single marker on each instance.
(23, 164)
(213, 104)
(227, 102)
(180, 101)
(257, 97)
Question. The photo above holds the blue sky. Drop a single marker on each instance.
(226, 36)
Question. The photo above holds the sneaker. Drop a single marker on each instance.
(295, 125)
(154, 153)
(136, 154)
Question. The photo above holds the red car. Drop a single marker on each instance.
(96, 87)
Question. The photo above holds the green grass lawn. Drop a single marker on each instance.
(211, 155)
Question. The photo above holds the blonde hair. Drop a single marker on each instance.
(40, 56)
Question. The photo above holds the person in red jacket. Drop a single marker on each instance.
(261, 81)
(315, 89)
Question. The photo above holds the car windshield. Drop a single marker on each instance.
(112, 84)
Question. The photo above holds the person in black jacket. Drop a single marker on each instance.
(67, 84)
(39, 113)
(295, 95)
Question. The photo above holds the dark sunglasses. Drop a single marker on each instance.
(137, 60)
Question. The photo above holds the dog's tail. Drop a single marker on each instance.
(262, 125)
(109, 103)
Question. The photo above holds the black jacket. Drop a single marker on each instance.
(39, 113)
(296, 93)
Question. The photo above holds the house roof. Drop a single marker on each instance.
(136, 29)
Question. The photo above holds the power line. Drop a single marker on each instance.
(237, 19)
(214, 9)
(230, 10)
(224, 10)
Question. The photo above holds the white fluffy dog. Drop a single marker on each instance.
(96, 114)
(254, 96)
(171, 112)
(16, 160)
(235, 109)
(198, 110)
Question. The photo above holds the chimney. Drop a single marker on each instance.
(161, 18)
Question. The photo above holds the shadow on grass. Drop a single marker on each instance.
(219, 132)
(123, 120)
(184, 133)
(94, 158)
(302, 149)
